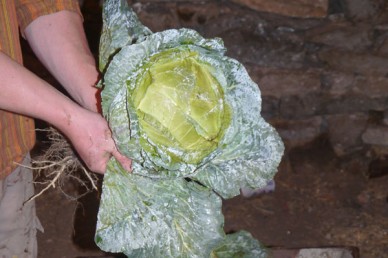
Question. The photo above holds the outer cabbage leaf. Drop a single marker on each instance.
(167, 207)
(120, 27)
(239, 245)
(251, 149)
(144, 217)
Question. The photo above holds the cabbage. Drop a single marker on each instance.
(189, 118)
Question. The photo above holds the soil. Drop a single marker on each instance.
(320, 199)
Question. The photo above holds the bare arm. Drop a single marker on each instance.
(72, 64)
(60, 43)
(24, 93)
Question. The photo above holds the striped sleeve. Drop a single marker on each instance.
(9, 32)
(29, 10)
(17, 133)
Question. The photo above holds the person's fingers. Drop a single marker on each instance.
(125, 162)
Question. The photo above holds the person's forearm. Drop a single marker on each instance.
(24, 93)
(60, 43)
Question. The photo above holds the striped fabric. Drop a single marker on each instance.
(17, 133)
(28, 10)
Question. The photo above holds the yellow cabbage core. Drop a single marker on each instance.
(180, 105)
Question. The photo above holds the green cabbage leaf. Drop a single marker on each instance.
(189, 118)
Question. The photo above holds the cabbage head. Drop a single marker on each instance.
(189, 118)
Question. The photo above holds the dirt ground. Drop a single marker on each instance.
(320, 200)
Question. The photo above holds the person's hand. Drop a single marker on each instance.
(91, 137)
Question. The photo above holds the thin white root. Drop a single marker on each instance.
(51, 184)
(59, 165)
(89, 177)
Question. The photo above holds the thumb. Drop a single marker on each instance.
(125, 162)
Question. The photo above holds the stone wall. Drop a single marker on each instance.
(322, 68)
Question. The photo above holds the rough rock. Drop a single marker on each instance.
(284, 82)
(295, 8)
(376, 135)
(345, 132)
(343, 35)
(371, 86)
(358, 10)
(337, 83)
(355, 63)
(299, 132)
